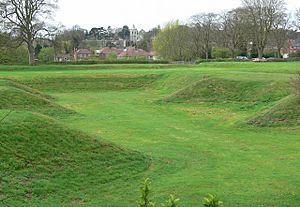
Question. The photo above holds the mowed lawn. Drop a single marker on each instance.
(197, 134)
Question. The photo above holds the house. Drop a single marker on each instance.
(82, 54)
(62, 58)
(132, 53)
(293, 46)
(104, 52)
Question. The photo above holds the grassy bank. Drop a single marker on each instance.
(87, 135)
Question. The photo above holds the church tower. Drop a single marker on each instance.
(134, 35)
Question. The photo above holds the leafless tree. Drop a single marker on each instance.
(27, 18)
(297, 19)
(261, 15)
(233, 30)
(204, 27)
(280, 31)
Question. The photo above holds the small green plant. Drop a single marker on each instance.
(212, 201)
(296, 84)
(145, 197)
(171, 202)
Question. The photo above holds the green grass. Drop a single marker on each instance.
(226, 90)
(285, 113)
(90, 83)
(14, 96)
(45, 163)
(205, 137)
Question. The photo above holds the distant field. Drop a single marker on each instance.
(87, 135)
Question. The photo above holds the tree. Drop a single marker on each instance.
(143, 44)
(14, 55)
(147, 40)
(94, 32)
(7, 40)
(46, 55)
(297, 19)
(68, 40)
(125, 33)
(233, 30)
(98, 33)
(110, 33)
(172, 42)
(280, 32)
(27, 18)
(204, 27)
(261, 15)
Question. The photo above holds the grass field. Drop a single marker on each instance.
(88, 135)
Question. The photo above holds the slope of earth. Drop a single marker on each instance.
(196, 144)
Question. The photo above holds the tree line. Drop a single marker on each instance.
(246, 30)
(25, 26)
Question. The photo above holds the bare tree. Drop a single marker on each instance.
(204, 27)
(233, 30)
(261, 15)
(196, 42)
(280, 31)
(297, 19)
(26, 17)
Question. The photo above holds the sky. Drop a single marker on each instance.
(141, 13)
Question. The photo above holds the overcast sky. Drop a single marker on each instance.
(143, 14)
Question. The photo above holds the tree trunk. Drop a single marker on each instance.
(279, 52)
(206, 54)
(260, 53)
(31, 53)
(232, 51)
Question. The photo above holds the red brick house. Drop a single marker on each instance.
(293, 46)
(82, 54)
(104, 52)
(131, 53)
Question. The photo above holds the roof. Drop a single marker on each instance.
(107, 50)
(84, 51)
(134, 53)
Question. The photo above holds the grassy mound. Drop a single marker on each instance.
(14, 84)
(14, 96)
(285, 113)
(226, 90)
(42, 160)
(90, 83)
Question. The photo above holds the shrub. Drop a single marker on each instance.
(93, 58)
(270, 53)
(295, 54)
(296, 84)
(216, 60)
(212, 201)
(172, 202)
(46, 55)
(112, 57)
(145, 200)
(93, 62)
(14, 56)
(145, 197)
(220, 53)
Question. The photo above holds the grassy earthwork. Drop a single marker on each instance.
(88, 135)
